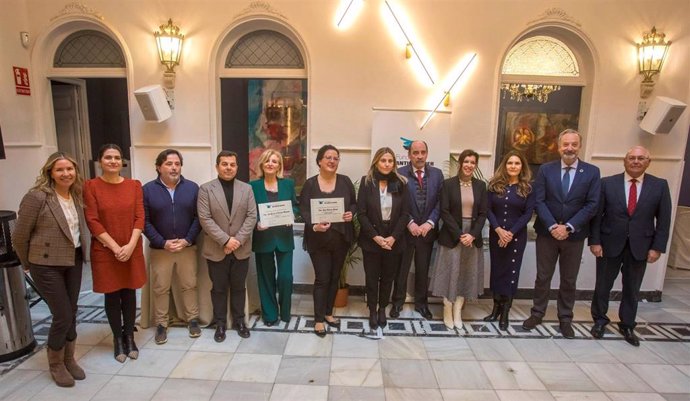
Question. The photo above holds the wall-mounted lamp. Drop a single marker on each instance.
(409, 47)
(651, 54)
(445, 100)
(169, 41)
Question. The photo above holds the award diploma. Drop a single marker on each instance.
(327, 210)
(273, 214)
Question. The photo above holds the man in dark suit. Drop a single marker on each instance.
(567, 194)
(227, 214)
(424, 184)
(630, 230)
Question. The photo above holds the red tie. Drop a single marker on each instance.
(632, 197)
(419, 178)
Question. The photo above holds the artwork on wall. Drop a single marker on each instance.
(277, 119)
(535, 134)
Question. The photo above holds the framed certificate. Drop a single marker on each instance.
(327, 210)
(278, 213)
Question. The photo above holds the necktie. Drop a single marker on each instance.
(419, 178)
(632, 197)
(565, 182)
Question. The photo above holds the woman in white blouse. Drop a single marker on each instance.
(49, 239)
(382, 209)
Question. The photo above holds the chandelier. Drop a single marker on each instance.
(528, 92)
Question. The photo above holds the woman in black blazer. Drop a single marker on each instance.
(327, 242)
(383, 212)
(458, 272)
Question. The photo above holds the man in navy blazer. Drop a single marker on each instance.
(567, 195)
(424, 184)
(630, 230)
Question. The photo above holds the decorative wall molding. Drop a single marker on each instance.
(177, 145)
(260, 7)
(23, 144)
(555, 13)
(76, 8)
(621, 156)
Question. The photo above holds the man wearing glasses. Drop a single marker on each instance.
(630, 230)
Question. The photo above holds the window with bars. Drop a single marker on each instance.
(541, 55)
(89, 49)
(264, 49)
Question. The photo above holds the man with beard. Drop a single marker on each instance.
(171, 227)
(567, 194)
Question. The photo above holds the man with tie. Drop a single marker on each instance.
(567, 194)
(424, 184)
(630, 230)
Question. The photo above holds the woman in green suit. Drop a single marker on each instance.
(273, 245)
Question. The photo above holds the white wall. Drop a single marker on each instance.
(352, 71)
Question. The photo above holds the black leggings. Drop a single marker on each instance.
(121, 307)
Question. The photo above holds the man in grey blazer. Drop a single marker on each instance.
(227, 214)
(630, 230)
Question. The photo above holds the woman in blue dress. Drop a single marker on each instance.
(511, 204)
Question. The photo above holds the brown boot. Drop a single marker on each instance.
(71, 364)
(56, 361)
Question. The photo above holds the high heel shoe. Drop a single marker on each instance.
(373, 320)
(320, 332)
(382, 318)
(131, 347)
(335, 323)
(119, 350)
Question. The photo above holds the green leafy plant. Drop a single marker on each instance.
(354, 253)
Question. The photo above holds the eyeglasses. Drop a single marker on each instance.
(332, 158)
(638, 158)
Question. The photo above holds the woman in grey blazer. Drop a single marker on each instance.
(49, 238)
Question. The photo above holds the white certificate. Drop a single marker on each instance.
(327, 210)
(278, 213)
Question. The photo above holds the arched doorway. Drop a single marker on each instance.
(546, 80)
(83, 102)
(264, 96)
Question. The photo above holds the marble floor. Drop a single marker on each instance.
(290, 363)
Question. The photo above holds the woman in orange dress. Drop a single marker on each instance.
(115, 215)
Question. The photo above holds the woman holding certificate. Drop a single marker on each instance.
(273, 241)
(383, 212)
(327, 236)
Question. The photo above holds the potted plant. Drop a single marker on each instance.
(353, 257)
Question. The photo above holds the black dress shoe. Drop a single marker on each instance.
(241, 329)
(219, 335)
(630, 337)
(567, 330)
(271, 323)
(597, 331)
(531, 322)
(395, 311)
(335, 323)
(382, 318)
(425, 312)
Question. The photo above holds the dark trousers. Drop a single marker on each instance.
(327, 266)
(59, 286)
(121, 310)
(269, 284)
(607, 272)
(419, 250)
(380, 269)
(230, 274)
(568, 254)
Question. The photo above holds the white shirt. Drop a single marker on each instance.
(70, 211)
(386, 200)
(571, 172)
(638, 184)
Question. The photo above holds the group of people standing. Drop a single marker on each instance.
(402, 212)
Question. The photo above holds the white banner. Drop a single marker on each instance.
(397, 128)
